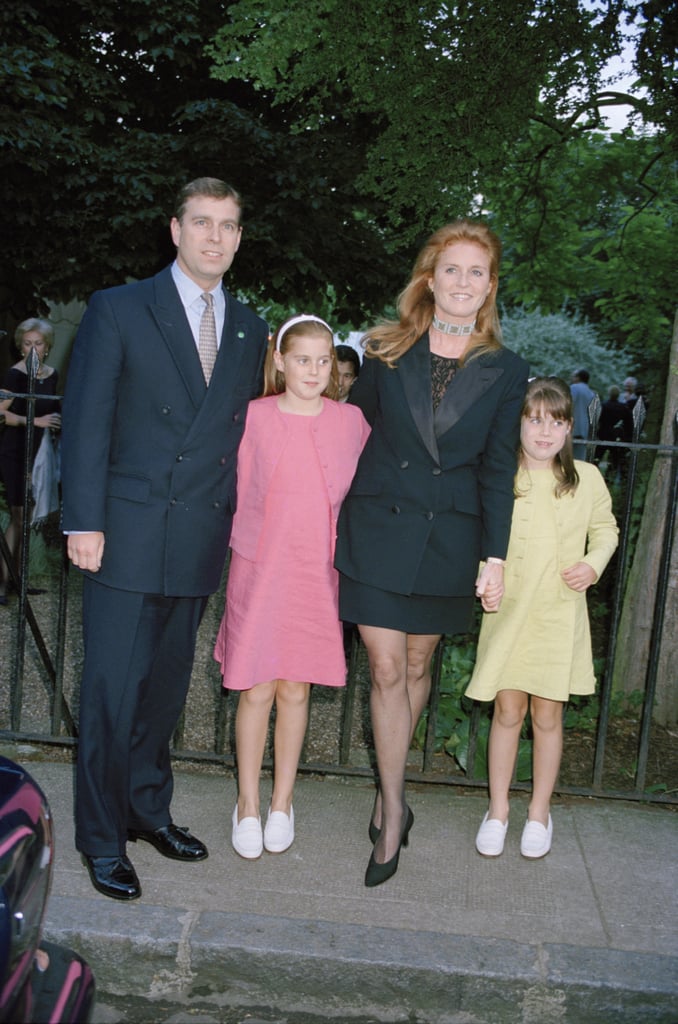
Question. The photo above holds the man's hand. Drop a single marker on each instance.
(86, 550)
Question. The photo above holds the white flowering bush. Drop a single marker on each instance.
(557, 344)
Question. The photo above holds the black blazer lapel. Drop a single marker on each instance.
(416, 379)
(231, 345)
(173, 325)
(231, 379)
(466, 388)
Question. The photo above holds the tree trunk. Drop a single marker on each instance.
(635, 629)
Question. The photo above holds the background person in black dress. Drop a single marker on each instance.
(615, 424)
(432, 495)
(35, 334)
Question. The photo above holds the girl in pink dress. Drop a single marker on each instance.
(281, 630)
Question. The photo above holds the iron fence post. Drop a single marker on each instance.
(32, 366)
(617, 598)
(658, 620)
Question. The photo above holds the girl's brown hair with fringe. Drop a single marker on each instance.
(274, 380)
(553, 396)
(392, 338)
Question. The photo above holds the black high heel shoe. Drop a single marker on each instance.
(374, 831)
(377, 873)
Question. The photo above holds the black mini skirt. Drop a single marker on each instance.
(408, 613)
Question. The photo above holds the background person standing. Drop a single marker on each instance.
(615, 424)
(629, 396)
(36, 334)
(582, 396)
(348, 362)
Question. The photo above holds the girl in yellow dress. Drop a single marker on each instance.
(535, 642)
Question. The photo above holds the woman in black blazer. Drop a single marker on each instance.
(432, 495)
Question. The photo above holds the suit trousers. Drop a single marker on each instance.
(139, 651)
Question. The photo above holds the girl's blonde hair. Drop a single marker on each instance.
(391, 339)
(274, 380)
(553, 395)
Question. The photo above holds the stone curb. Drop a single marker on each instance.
(331, 968)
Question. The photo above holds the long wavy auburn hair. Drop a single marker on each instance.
(390, 339)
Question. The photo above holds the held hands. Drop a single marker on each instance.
(490, 586)
(86, 550)
(579, 576)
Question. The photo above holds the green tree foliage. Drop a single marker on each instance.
(353, 129)
(656, 63)
(81, 167)
(592, 232)
(106, 110)
(451, 87)
(496, 109)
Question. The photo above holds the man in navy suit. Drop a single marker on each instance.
(150, 438)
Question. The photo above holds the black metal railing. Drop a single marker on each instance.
(52, 675)
(347, 750)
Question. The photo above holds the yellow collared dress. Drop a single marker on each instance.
(540, 640)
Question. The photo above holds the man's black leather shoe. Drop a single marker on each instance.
(172, 841)
(113, 876)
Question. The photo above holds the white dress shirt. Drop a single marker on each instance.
(190, 294)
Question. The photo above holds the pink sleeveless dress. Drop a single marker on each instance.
(281, 619)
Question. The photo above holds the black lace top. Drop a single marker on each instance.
(442, 372)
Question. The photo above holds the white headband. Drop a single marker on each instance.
(303, 318)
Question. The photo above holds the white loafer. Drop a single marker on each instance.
(279, 831)
(536, 839)
(247, 837)
(491, 836)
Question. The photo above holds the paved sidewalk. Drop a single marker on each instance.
(587, 935)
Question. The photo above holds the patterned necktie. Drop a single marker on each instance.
(207, 339)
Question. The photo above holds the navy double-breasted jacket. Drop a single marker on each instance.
(148, 451)
(433, 492)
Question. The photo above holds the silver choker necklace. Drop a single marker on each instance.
(445, 328)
